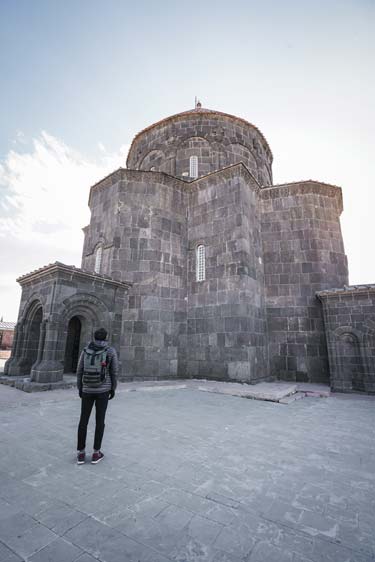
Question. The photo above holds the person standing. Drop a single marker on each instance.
(97, 372)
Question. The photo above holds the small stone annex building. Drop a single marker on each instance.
(200, 267)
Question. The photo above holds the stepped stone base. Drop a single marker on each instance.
(25, 384)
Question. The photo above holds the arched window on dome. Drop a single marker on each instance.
(98, 258)
(201, 263)
(193, 167)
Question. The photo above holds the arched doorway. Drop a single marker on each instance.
(72, 347)
(351, 362)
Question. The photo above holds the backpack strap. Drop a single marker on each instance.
(91, 354)
(104, 364)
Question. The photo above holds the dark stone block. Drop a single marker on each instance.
(166, 224)
(143, 221)
(139, 353)
(221, 340)
(291, 363)
(279, 324)
(232, 324)
(301, 377)
(140, 327)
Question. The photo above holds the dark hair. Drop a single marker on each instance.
(100, 334)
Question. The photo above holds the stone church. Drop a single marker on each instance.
(199, 266)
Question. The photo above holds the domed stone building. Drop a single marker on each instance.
(200, 267)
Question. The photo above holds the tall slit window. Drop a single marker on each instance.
(98, 258)
(201, 263)
(193, 166)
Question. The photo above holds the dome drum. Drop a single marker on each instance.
(217, 140)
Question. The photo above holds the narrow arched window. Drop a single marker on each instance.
(98, 258)
(201, 263)
(193, 166)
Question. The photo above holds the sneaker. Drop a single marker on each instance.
(96, 457)
(81, 457)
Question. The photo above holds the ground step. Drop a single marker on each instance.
(314, 389)
(292, 398)
(269, 391)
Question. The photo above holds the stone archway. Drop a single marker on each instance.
(349, 361)
(82, 314)
(350, 358)
(72, 347)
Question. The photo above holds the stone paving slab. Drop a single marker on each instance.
(188, 476)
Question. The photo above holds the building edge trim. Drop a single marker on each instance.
(167, 178)
(58, 267)
(306, 186)
(345, 291)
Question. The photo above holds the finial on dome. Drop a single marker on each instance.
(198, 104)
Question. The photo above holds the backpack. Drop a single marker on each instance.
(94, 366)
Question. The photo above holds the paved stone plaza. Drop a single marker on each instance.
(188, 476)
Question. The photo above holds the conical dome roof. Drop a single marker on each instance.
(198, 110)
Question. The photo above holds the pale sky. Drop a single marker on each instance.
(81, 78)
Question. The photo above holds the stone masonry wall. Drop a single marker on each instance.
(349, 317)
(226, 316)
(151, 253)
(303, 254)
(216, 139)
(103, 205)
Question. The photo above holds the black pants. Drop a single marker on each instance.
(87, 402)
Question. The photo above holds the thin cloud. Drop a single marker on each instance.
(43, 206)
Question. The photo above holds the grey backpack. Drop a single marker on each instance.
(94, 366)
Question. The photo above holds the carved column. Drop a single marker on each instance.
(49, 368)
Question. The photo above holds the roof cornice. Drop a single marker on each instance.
(302, 188)
(346, 291)
(315, 182)
(240, 166)
(53, 269)
(163, 177)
